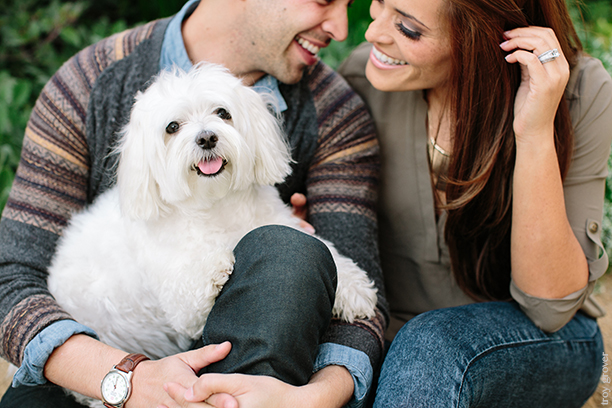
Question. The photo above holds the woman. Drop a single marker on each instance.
(495, 131)
(495, 134)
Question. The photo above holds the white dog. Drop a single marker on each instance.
(198, 163)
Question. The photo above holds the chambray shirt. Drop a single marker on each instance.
(38, 350)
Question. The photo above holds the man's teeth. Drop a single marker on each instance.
(387, 60)
(313, 49)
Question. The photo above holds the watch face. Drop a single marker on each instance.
(114, 388)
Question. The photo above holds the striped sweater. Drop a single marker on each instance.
(65, 164)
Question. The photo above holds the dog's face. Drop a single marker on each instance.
(192, 138)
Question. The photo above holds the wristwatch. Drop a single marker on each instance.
(117, 384)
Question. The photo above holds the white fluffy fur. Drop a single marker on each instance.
(143, 265)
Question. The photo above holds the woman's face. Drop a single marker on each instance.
(411, 48)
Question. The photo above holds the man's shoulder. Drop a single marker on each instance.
(322, 78)
(116, 47)
(331, 91)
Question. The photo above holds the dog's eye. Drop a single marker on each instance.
(172, 127)
(223, 114)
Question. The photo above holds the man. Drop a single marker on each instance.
(272, 45)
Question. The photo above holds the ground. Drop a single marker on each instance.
(601, 398)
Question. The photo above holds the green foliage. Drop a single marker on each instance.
(593, 23)
(37, 36)
(359, 19)
(36, 39)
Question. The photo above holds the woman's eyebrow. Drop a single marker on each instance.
(411, 17)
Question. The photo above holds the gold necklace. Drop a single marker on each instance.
(438, 162)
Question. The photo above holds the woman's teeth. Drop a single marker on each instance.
(313, 49)
(387, 60)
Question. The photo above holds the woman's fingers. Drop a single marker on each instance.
(184, 398)
(544, 33)
(535, 41)
(542, 82)
(210, 384)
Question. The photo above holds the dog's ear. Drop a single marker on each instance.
(138, 189)
(272, 154)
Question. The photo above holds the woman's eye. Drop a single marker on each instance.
(172, 127)
(413, 35)
(223, 114)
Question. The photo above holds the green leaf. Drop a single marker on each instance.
(71, 36)
(21, 93)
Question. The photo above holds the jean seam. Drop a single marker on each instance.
(497, 347)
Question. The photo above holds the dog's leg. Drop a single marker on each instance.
(190, 294)
(355, 294)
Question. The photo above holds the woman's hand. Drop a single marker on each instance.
(330, 387)
(212, 390)
(300, 210)
(542, 84)
(547, 260)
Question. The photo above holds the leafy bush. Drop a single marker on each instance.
(37, 36)
(36, 39)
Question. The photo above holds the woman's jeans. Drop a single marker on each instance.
(490, 355)
(274, 309)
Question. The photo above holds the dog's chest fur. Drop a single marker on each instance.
(148, 286)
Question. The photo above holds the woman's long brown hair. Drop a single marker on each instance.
(482, 88)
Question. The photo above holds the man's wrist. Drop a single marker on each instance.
(355, 361)
(332, 387)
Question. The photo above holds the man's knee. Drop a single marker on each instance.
(288, 257)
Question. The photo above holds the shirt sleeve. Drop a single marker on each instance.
(355, 361)
(39, 349)
(589, 94)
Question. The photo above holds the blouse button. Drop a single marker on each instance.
(593, 227)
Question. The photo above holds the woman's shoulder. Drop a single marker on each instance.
(354, 64)
(587, 79)
(589, 95)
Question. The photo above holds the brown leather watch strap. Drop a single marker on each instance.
(130, 362)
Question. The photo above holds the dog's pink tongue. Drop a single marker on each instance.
(210, 166)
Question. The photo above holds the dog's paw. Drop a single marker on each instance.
(222, 266)
(355, 295)
(188, 314)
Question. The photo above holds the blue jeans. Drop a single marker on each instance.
(274, 309)
(490, 355)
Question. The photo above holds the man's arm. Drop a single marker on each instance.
(51, 183)
(342, 192)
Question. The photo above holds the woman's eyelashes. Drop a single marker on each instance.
(413, 35)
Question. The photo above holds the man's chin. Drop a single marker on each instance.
(293, 77)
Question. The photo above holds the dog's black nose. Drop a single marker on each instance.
(207, 140)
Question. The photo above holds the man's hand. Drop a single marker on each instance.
(81, 362)
(330, 387)
(300, 210)
(150, 376)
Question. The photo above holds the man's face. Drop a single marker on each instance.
(284, 36)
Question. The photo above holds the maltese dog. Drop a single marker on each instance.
(199, 159)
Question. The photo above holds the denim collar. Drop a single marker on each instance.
(173, 53)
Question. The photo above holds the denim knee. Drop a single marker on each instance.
(276, 305)
(479, 355)
(302, 258)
